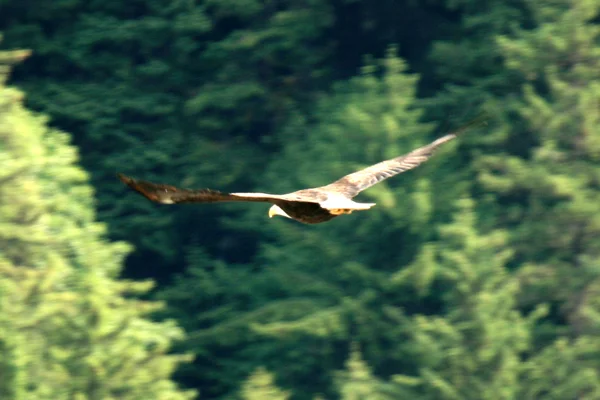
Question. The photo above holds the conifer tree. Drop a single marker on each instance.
(357, 382)
(175, 91)
(260, 386)
(468, 60)
(473, 348)
(314, 290)
(538, 168)
(69, 329)
(547, 190)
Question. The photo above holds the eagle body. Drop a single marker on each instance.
(328, 206)
(309, 206)
(308, 213)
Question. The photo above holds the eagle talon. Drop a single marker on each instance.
(340, 211)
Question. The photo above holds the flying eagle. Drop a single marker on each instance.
(310, 206)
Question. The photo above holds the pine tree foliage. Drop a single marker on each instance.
(316, 287)
(473, 349)
(567, 369)
(68, 328)
(476, 276)
(155, 88)
(468, 60)
(261, 386)
(357, 382)
(350, 120)
(551, 196)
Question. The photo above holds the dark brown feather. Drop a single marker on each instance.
(167, 194)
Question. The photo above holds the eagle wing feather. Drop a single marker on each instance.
(354, 183)
(167, 194)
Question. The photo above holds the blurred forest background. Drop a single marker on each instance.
(477, 276)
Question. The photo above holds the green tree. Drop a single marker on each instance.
(357, 382)
(547, 192)
(539, 170)
(68, 328)
(479, 346)
(468, 61)
(344, 266)
(311, 292)
(260, 386)
(473, 348)
(163, 89)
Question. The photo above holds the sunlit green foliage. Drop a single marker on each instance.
(260, 386)
(476, 276)
(68, 328)
(473, 349)
(155, 88)
(357, 382)
(550, 197)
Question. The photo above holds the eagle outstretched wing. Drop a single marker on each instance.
(167, 194)
(354, 183)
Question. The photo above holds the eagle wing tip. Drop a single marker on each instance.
(124, 178)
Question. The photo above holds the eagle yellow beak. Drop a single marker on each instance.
(276, 210)
(272, 211)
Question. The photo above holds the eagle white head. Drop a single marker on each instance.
(276, 210)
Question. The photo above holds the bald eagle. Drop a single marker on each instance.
(310, 206)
